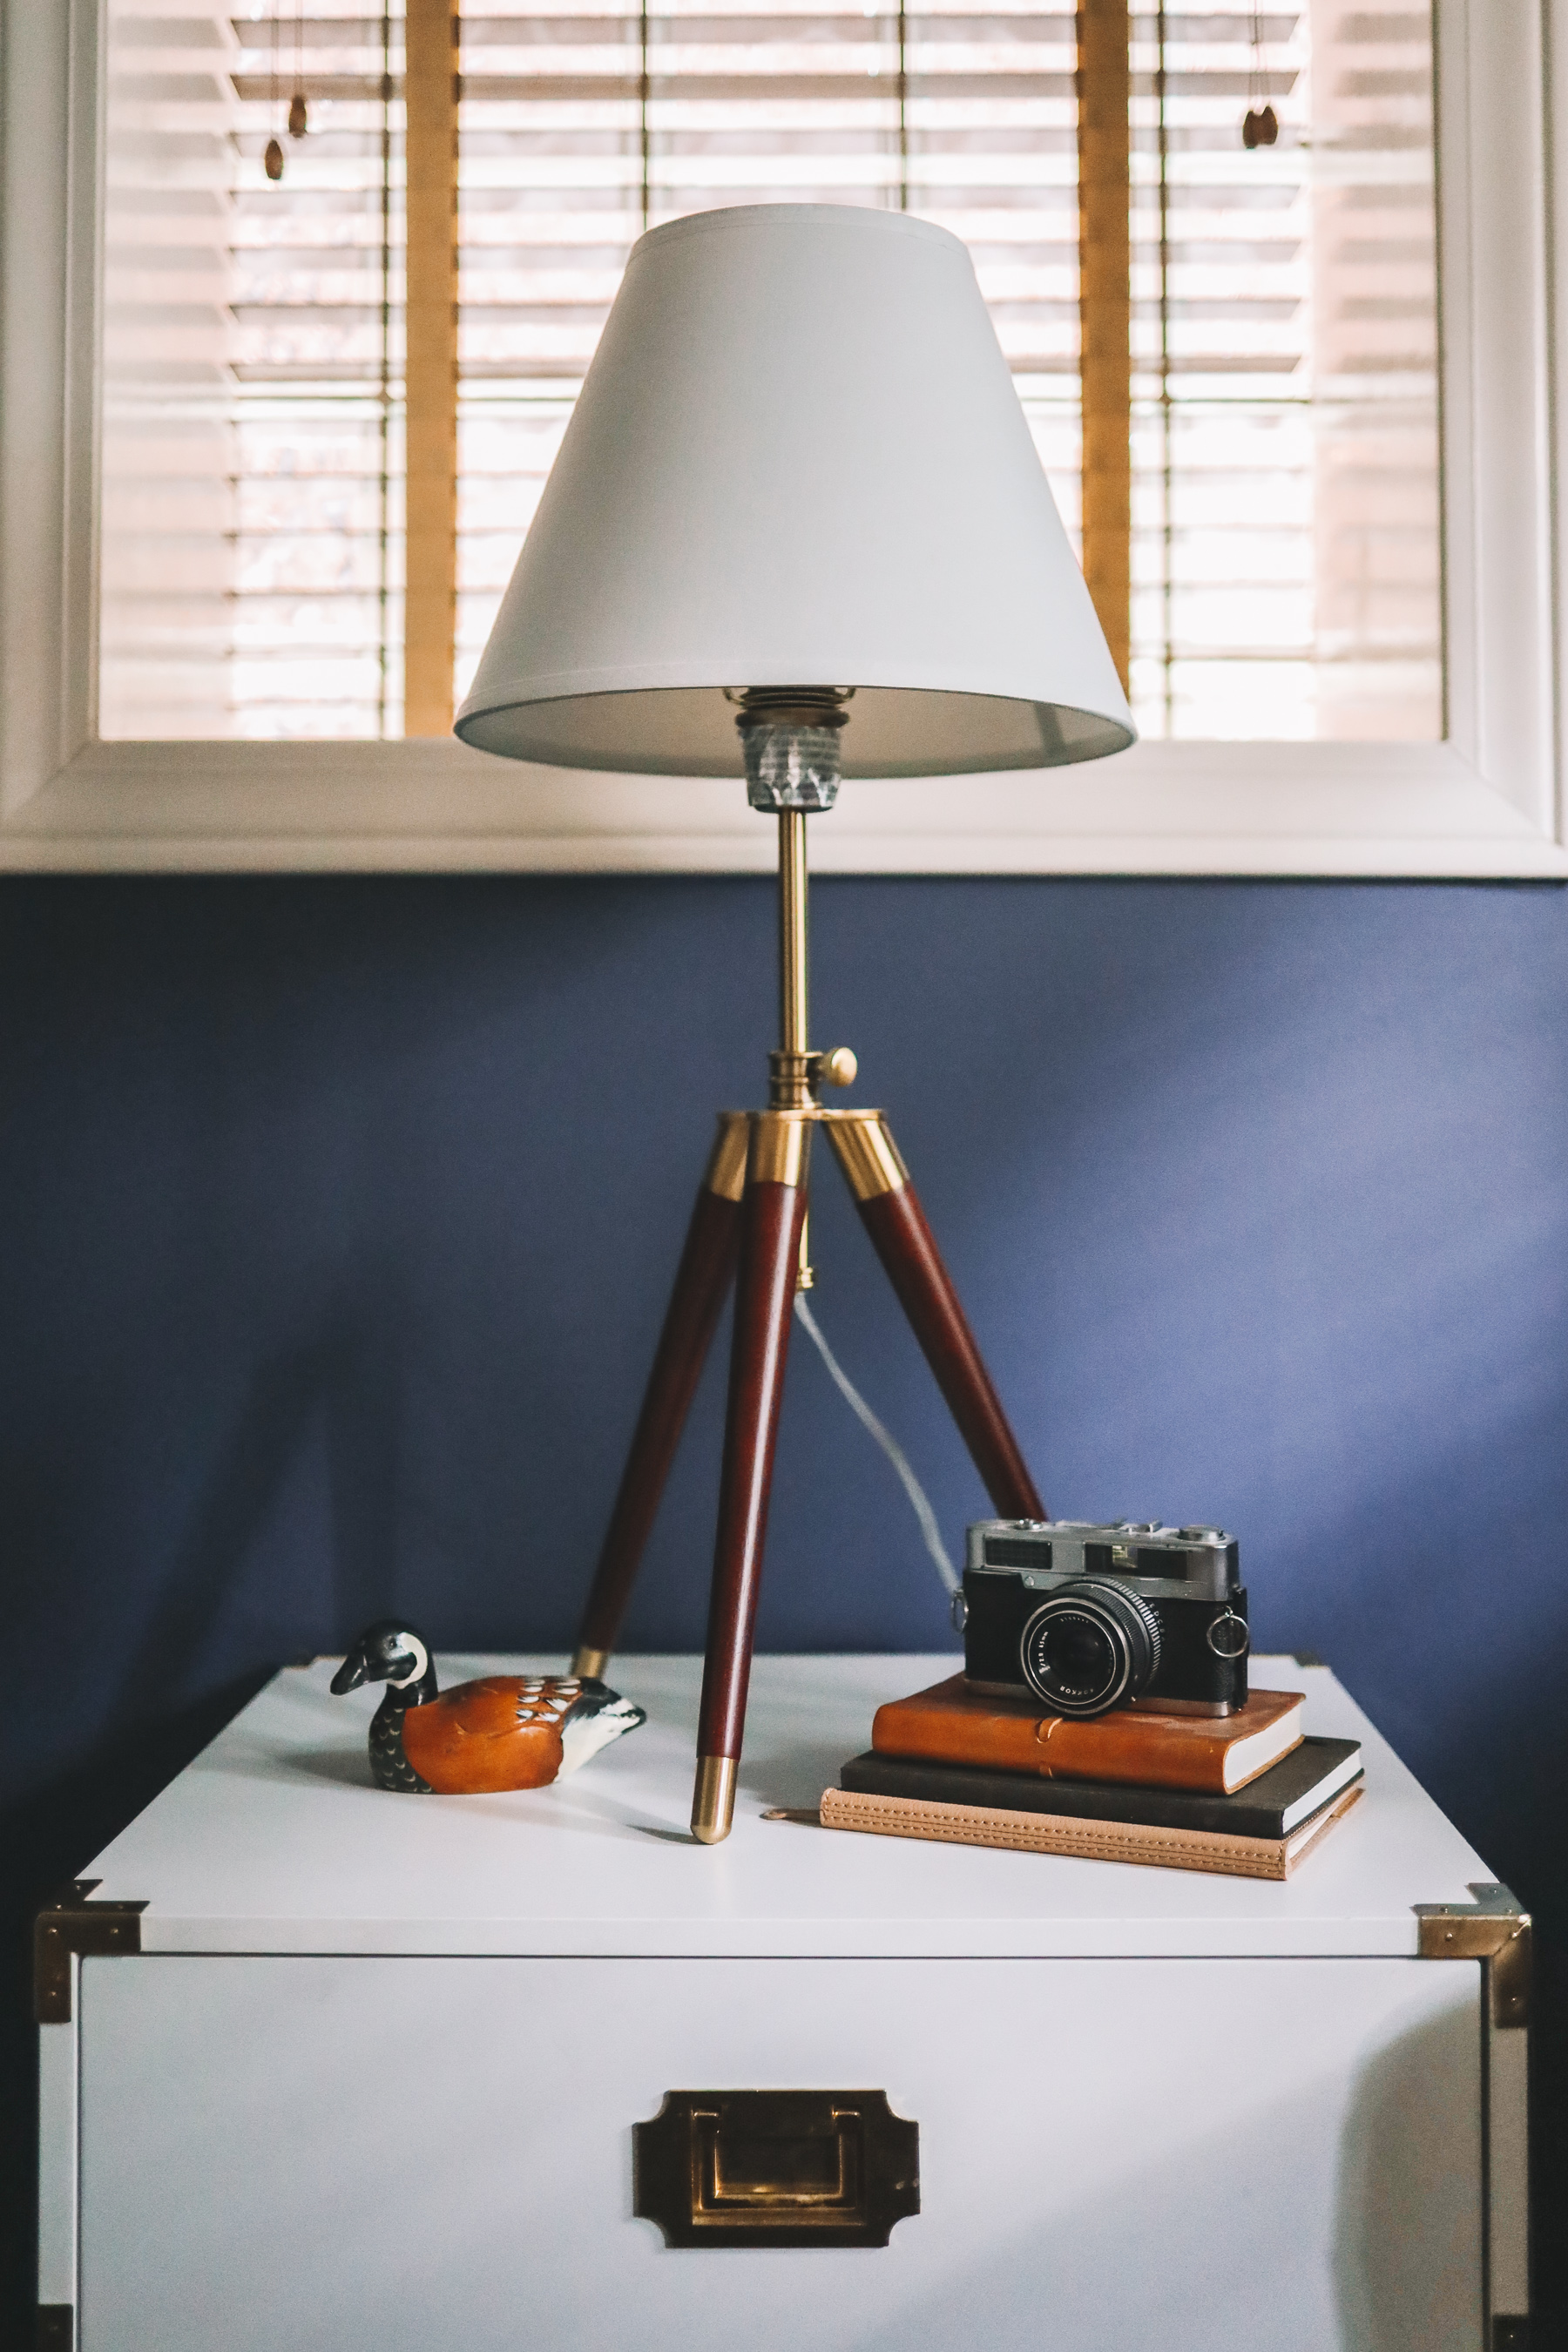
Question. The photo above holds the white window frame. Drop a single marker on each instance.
(1488, 801)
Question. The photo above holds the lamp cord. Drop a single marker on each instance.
(890, 1444)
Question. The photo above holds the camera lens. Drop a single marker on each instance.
(1078, 1654)
(1090, 1647)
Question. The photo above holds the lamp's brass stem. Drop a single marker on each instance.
(792, 1086)
(792, 930)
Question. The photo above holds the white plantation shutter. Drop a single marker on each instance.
(1285, 487)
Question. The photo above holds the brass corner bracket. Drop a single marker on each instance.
(68, 1923)
(1495, 1930)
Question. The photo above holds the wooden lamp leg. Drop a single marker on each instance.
(772, 1216)
(893, 1217)
(701, 1285)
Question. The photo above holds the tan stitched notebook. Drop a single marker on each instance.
(1237, 1857)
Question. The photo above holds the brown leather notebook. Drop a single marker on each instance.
(951, 1724)
(1236, 1857)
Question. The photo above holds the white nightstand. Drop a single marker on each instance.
(363, 2070)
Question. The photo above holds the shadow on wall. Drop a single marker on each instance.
(343, 1391)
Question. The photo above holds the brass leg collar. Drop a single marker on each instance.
(727, 1162)
(713, 1799)
(866, 1152)
(589, 1665)
(780, 1147)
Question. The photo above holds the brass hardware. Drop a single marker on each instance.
(726, 1173)
(792, 930)
(866, 1152)
(775, 2169)
(56, 2326)
(588, 1665)
(790, 1081)
(68, 1924)
(794, 1080)
(804, 1272)
(780, 1149)
(796, 1073)
(1497, 1932)
(713, 1800)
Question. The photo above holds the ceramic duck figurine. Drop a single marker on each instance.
(505, 1731)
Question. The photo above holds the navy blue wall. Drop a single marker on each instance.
(336, 1219)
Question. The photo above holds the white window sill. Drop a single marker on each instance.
(1197, 809)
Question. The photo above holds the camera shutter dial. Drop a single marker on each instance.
(1091, 1648)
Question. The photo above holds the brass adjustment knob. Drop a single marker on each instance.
(836, 1068)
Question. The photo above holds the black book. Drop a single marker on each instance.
(1273, 1805)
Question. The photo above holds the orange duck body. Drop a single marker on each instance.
(497, 1733)
(504, 1731)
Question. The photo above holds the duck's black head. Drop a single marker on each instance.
(390, 1651)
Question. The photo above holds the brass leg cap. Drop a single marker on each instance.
(588, 1665)
(713, 1799)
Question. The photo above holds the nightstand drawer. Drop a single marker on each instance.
(422, 2153)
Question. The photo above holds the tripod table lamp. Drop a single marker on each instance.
(797, 530)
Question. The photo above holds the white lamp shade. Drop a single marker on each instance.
(797, 459)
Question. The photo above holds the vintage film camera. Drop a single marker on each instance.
(1089, 1618)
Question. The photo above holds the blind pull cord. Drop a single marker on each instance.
(929, 1531)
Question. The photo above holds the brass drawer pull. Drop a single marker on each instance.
(775, 2169)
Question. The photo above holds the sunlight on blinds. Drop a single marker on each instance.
(971, 120)
(251, 545)
(1285, 538)
(1286, 523)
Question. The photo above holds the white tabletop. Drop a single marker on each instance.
(274, 1839)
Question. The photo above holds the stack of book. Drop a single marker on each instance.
(1245, 1793)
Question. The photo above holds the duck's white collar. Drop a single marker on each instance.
(420, 1668)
